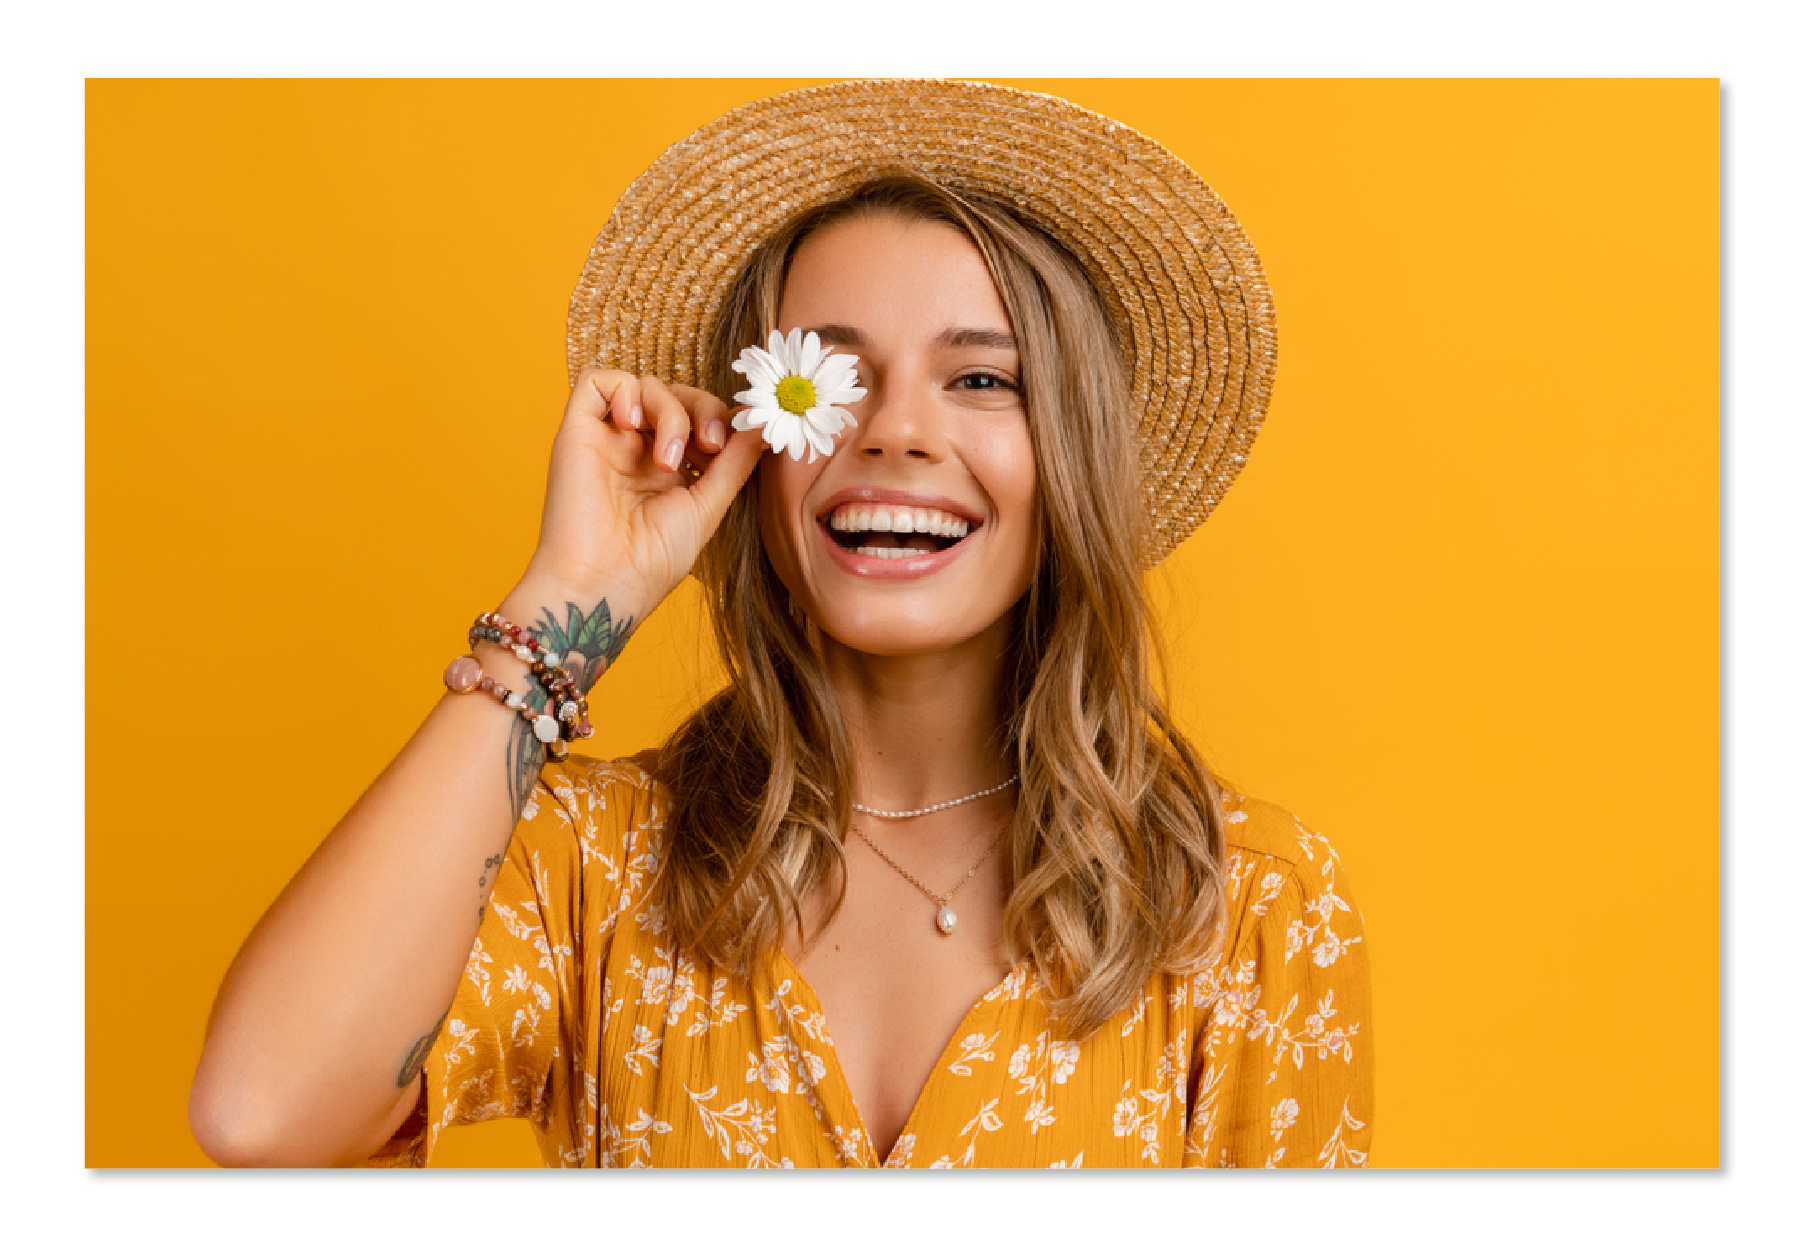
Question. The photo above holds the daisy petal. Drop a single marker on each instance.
(829, 397)
(747, 356)
(753, 364)
(767, 370)
(810, 360)
(751, 418)
(836, 370)
(817, 440)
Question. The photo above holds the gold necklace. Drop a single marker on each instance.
(946, 919)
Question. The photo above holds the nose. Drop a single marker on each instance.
(899, 420)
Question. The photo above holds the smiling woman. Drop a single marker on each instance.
(743, 948)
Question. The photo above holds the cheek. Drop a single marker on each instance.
(1011, 478)
(782, 485)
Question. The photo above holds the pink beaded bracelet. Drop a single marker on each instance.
(572, 707)
(465, 673)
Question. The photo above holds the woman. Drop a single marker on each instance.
(935, 881)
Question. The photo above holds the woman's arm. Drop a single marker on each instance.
(315, 1044)
(314, 1048)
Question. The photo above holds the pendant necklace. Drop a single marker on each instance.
(947, 919)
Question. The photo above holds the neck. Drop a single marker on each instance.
(924, 727)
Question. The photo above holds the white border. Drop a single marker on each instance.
(50, 53)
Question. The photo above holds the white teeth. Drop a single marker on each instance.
(890, 552)
(863, 518)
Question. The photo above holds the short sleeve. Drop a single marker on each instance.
(1282, 1069)
(509, 1045)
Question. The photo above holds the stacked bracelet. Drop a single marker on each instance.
(572, 706)
(568, 718)
(465, 673)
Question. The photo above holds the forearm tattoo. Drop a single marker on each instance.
(415, 1060)
(490, 866)
(588, 643)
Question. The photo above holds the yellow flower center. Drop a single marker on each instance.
(795, 395)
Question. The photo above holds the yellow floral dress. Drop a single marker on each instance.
(576, 1011)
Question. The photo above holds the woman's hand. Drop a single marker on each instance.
(623, 518)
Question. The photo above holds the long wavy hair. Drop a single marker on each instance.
(1115, 851)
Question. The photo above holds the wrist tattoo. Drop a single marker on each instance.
(587, 644)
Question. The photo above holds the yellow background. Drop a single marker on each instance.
(1460, 613)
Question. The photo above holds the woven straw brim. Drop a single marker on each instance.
(1172, 263)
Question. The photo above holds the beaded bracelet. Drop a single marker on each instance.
(569, 716)
(465, 673)
(572, 708)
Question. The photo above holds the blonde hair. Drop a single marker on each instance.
(1115, 850)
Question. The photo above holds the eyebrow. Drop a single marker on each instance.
(996, 339)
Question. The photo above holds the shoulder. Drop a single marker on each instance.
(592, 831)
(598, 802)
(1274, 859)
(1261, 829)
(582, 785)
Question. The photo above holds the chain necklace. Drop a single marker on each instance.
(946, 919)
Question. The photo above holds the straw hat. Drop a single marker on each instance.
(1172, 263)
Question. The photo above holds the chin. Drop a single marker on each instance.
(890, 634)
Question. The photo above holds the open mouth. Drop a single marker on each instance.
(892, 545)
(896, 532)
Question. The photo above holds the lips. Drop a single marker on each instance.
(909, 567)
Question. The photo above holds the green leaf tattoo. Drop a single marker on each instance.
(587, 643)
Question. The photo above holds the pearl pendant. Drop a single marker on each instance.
(946, 920)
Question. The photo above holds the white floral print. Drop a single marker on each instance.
(577, 1009)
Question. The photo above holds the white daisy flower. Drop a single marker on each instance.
(798, 387)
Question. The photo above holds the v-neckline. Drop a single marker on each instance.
(837, 1072)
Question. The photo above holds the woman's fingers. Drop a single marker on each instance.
(726, 474)
(605, 394)
(668, 421)
(708, 417)
(673, 422)
(620, 503)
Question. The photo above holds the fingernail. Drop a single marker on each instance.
(635, 415)
(717, 433)
(673, 455)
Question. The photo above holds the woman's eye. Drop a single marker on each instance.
(988, 381)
